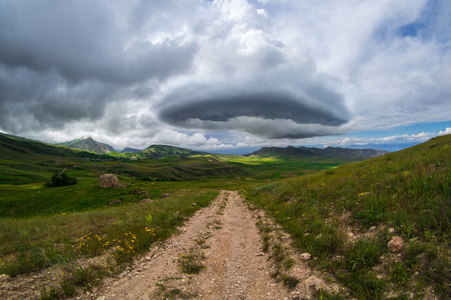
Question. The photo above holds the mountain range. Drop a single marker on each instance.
(328, 152)
(88, 147)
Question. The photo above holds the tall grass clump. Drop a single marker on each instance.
(123, 232)
(343, 215)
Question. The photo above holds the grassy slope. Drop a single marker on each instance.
(123, 231)
(408, 191)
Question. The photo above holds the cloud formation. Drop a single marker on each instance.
(263, 107)
(223, 72)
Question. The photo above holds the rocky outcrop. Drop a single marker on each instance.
(109, 181)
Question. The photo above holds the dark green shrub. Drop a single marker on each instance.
(61, 179)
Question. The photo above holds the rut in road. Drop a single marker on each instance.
(229, 243)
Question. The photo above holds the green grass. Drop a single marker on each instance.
(34, 243)
(314, 199)
(192, 262)
(408, 190)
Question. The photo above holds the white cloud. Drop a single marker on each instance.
(447, 131)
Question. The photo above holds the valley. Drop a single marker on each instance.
(342, 210)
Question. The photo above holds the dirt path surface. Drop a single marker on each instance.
(225, 239)
(226, 236)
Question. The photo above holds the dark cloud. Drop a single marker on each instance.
(67, 61)
(268, 105)
(85, 40)
(48, 101)
(248, 106)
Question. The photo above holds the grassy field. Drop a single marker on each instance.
(346, 216)
(342, 212)
(268, 167)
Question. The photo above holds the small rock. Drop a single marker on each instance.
(165, 195)
(396, 244)
(146, 201)
(101, 298)
(305, 256)
(372, 228)
(4, 277)
(391, 230)
(314, 283)
(138, 192)
(115, 202)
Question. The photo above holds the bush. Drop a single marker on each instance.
(61, 179)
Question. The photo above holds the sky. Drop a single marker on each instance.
(226, 75)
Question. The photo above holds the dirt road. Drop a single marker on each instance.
(223, 238)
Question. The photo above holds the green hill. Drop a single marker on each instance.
(346, 216)
(89, 144)
(17, 147)
(26, 161)
(162, 151)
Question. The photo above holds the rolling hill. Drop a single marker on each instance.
(347, 217)
(18, 147)
(163, 151)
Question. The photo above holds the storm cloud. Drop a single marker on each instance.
(259, 107)
(223, 73)
(67, 61)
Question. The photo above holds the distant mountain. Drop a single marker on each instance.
(89, 144)
(311, 152)
(346, 152)
(290, 150)
(130, 150)
(151, 152)
(162, 151)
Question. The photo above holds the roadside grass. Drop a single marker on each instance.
(121, 233)
(282, 261)
(331, 215)
(191, 262)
